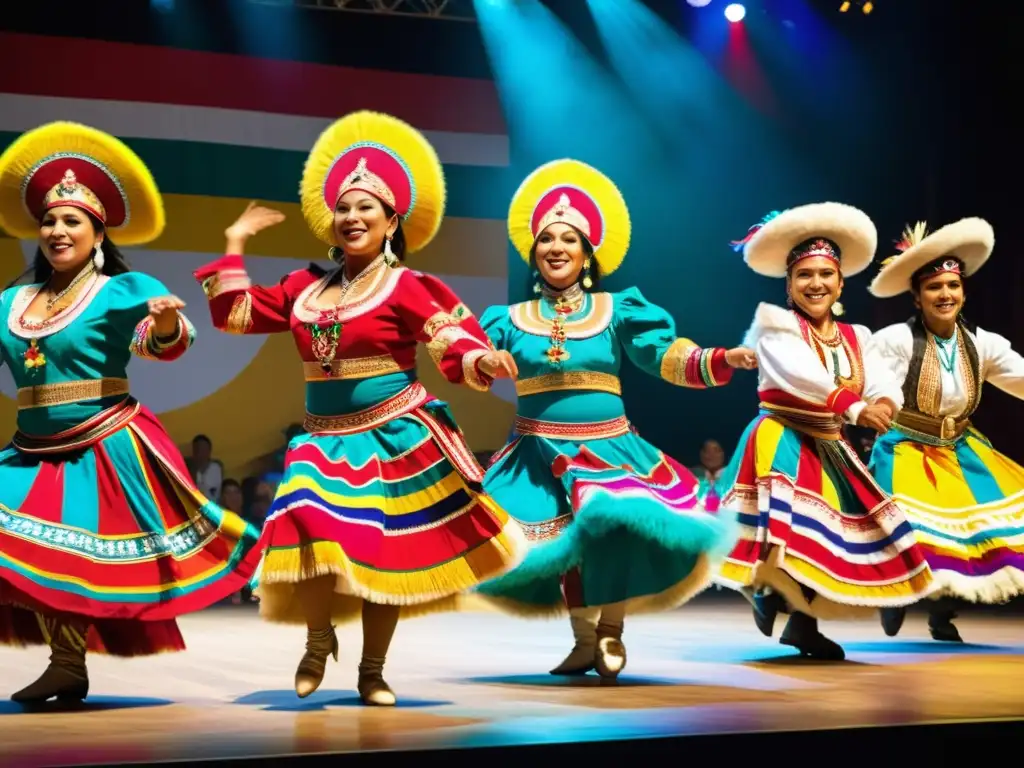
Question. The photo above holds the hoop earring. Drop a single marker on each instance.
(335, 254)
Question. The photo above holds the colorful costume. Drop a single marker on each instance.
(383, 492)
(964, 499)
(614, 523)
(817, 533)
(104, 538)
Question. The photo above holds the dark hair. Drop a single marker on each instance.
(114, 262)
(800, 250)
(588, 253)
(202, 439)
(928, 269)
(230, 483)
(398, 246)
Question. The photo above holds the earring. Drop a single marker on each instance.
(334, 254)
(536, 283)
(838, 309)
(98, 259)
(587, 282)
(389, 256)
(789, 301)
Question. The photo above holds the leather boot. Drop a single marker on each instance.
(373, 689)
(610, 658)
(802, 633)
(584, 629)
(320, 643)
(66, 678)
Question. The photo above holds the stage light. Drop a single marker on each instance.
(735, 12)
(867, 7)
(698, 3)
(844, 7)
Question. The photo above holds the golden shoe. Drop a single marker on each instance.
(610, 658)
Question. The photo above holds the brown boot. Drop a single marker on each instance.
(65, 678)
(610, 658)
(373, 689)
(320, 643)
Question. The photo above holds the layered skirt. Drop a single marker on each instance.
(389, 505)
(609, 517)
(965, 501)
(103, 524)
(816, 527)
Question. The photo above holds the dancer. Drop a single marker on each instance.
(380, 512)
(819, 539)
(964, 499)
(104, 538)
(615, 524)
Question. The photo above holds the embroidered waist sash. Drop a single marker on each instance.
(67, 392)
(409, 399)
(569, 380)
(934, 430)
(817, 421)
(83, 436)
(560, 430)
(354, 368)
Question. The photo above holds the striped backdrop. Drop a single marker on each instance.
(218, 130)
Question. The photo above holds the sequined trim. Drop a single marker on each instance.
(549, 529)
(584, 430)
(239, 320)
(24, 296)
(368, 291)
(569, 380)
(408, 399)
(354, 368)
(46, 395)
(595, 319)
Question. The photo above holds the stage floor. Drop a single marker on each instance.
(481, 680)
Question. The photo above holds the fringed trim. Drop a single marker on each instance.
(784, 574)
(997, 588)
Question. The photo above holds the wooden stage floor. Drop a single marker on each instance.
(472, 680)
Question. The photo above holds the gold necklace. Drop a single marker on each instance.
(82, 275)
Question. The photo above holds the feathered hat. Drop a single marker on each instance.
(968, 242)
(837, 231)
(68, 164)
(571, 192)
(381, 155)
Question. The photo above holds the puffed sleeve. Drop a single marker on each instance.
(130, 293)
(453, 336)
(1000, 364)
(648, 335)
(494, 321)
(887, 356)
(237, 306)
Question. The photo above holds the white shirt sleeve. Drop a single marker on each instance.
(887, 356)
(1000, 365)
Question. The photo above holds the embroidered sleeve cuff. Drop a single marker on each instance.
(472, 374)
(841, 399)
(226, 274)
(687, 365)
(146, 345)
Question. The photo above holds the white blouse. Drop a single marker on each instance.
(786, 362)
(998, 364)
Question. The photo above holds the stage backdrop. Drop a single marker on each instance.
(219, 129)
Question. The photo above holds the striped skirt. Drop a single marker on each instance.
(815, 527)
(966, 504)
(395, 513)
(111, 530)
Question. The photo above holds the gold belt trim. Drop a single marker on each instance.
(408, 399)
(945, 429)
(354, 368)
(569, 380)
(823, 426)
(587, 430)
(84, 435)
(44, 395)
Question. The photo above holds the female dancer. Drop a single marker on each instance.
(380, 510)
(964, 499)
(104, 538)
(819, 538)
(615, 524)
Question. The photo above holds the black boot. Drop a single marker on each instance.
(940, 622)
(65, 678)
(802, 633)
(892, 620)
(767, 605)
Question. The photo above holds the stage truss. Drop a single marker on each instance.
(442, 10)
